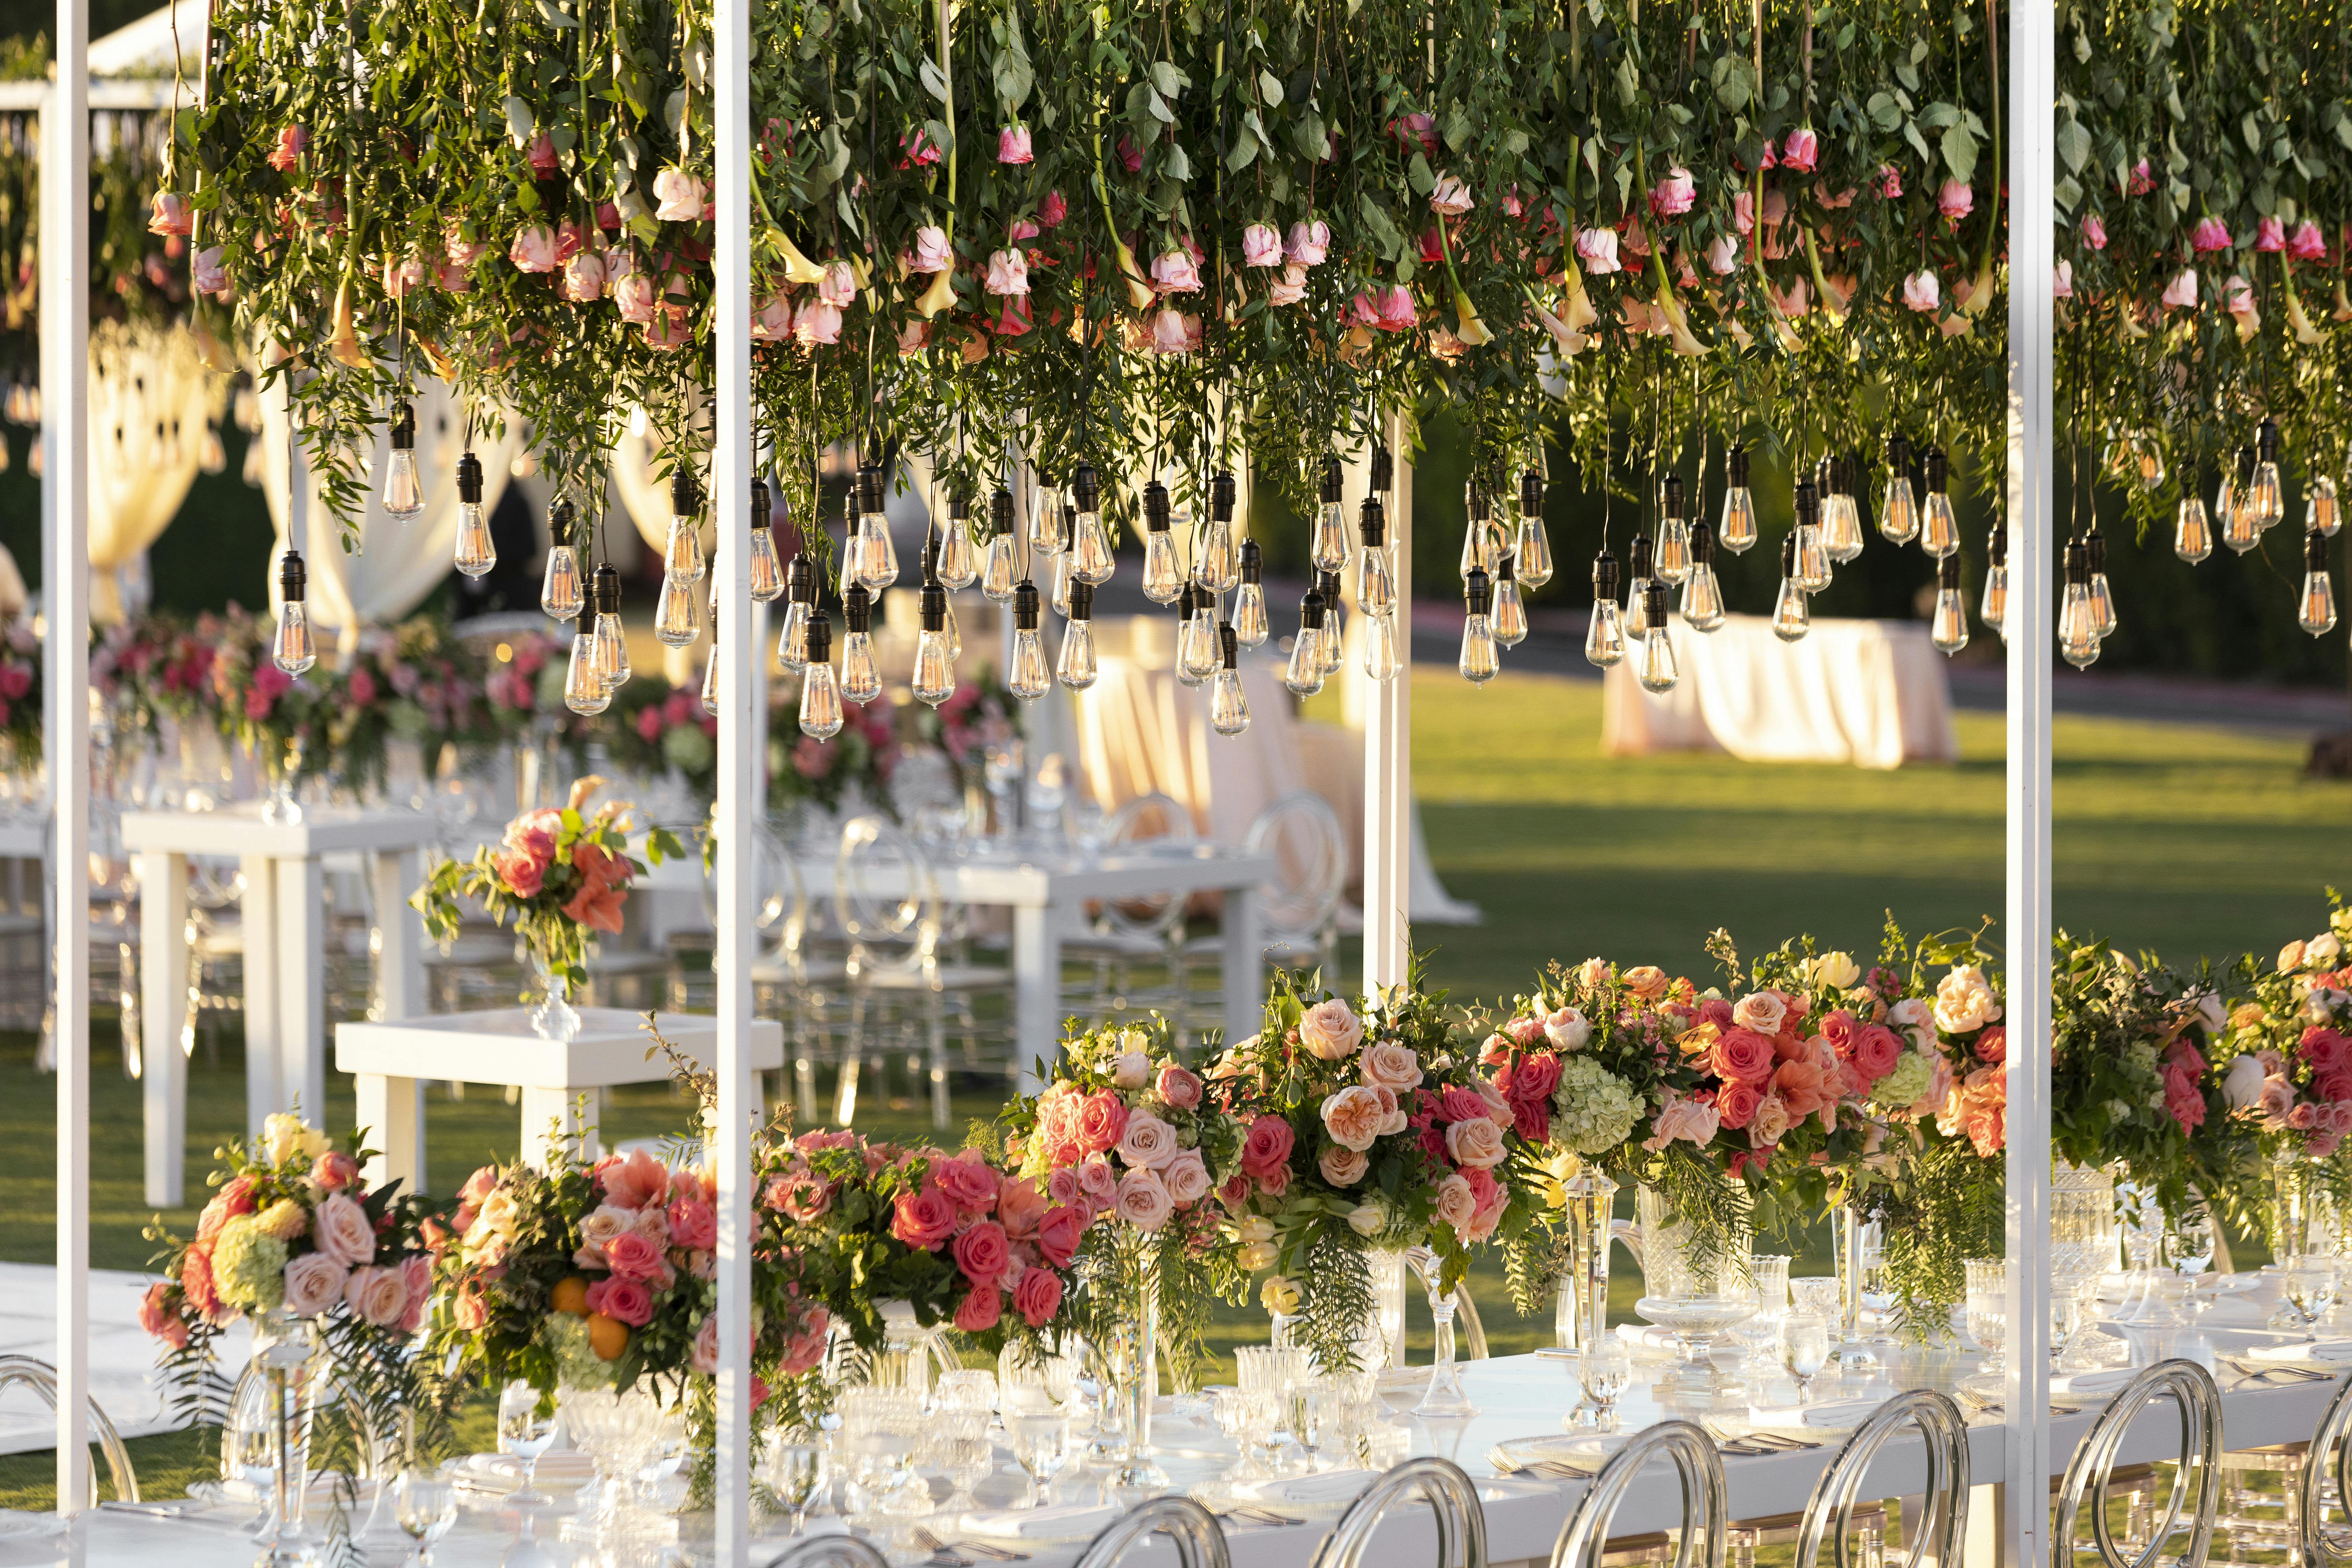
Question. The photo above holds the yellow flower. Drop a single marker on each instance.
(1279, 1295)
(283, 1220)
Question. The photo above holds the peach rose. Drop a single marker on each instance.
(1646, 981)
(1186, 1177)
(1329, 1031)
(1148, 1143)
(313, 1281)
(1353, 1117)
(1760, 1011)
(1456, 1204)
(1142, 1201)
(2276, 1100)
(1477, 1143)
(1343, 1167)
(1387, 1063)
(1770, 1123)
(1179, 1088)
(380, 1296)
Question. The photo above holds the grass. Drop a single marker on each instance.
(2185, 840)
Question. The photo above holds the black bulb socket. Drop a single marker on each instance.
(1478, 592)
(1808, 503)
(1229, 645)
(1604, 577)
(469, 480)
(1187, 601)
(1789, 556)
(1939, 469)
(1082, 599)
(1503, 571)
(1735, 467)
(1373, 523)
(1701, 542)
(930, 560)
(1328, 584)
(1155, 507)
(935, 608)
(1253, 563)
(1482, 505)
(1311, 611)
(1024, 605)
(1996, 544)
(2078, 568)
(1898, 454)
(1332, 477)
(1383, 467)
(293, 578)
(403, 426)
(857, 608)
(820, 637)
(958, 508)
(799, 581)
(2315, 552)
(1222, 494)
(1000, 512)
(763, 505)
(2266, 436)
(1654, 605)
(1948, 572)
(685, 495)
(869, 489)
(607, 584)
(560, 519)
(1086, 487)
(2245, 465)
(1674, 494)
(2095, 552)
(1531, 488)
(1637, 558)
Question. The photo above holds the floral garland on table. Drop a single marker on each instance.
(981, 711)
(159, 665)
(294, 1229)
(804, 771)
(556, 875)
(527, 685)
(282, 720)
(1128, 1136)
(413, 682)
(648, 730)
(1368, 1130)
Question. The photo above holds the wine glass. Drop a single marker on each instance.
(1604, 1368)
(526, 1434)
(1001, 766)
(425, 1504)
(1988, 1310)
(1047, 791)
(1804, 1350)
(2311, 1286)
(2191, 1244)
(1309, 1401)
(1040, 1433)
(960, 1445)
(1816, 1296)
(797, 1475)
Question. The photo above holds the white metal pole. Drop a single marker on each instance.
(730, 482)
(65, 592)
(1388, 755)
(2032, 139)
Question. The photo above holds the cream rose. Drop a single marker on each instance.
(1353, 1118)
(1343, 1167)
(342, 1229)
(1964, 1000)
(1329, 1031)
(600, 1226)
(1770, 1123)
(1368, 1219)
(313, 1282)
(1388, 1065)
(1760, 1011)
(1456, 1204)
(2322, 951)
(2242, 1086)
(1147, 1143)
(1143, 1201)
(1567, 1029)
(378, 1295)
(1186, 1177)
(1477, 1143)
(1836, 970)
(2276, 1100)
(1131, 1070)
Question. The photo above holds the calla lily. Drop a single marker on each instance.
(1576, 306)
(2297, 319)
(1669, 306)
(1140, 293)
(1468, 327)
(798, 268)
(346, 347)
(939, 297)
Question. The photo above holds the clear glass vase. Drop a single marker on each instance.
(1131, 1373)
(286, 1352)
(282, 763)
(554, 1019)
(1443, 1400)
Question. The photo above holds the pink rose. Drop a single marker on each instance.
(2210, 234)
(632, 1255)
(313, 1281)
(1532, 1077)
(1308, 243)
(1174, 272)
(693, 1225)
(924, 1219)
(1742, 1055)
(206, 271)
(1801, 150)
(2274, 1102)
(1735, 1103)
(2308, 244)
(1142, 1201)
(1062, 1186)
(2095, 233)
(1454, 1202)
(1179, 1088)
(983, 1253)
(1684, 1119)
(1019, 1207)
(2181, 294)
(680, 198)
(1267, 1148)
(1059, 1233)
(2322, 1049)
(417, 1281)
(533, 249)
(1955, 200)
(168, 214)
(1391, 1065)
(197, 1284)
(1674, 195)
(1890, 182)
(1008, 273)
(1876, 1051)
(2270, 234)
(1012, 145)
(965, 1182)
(1174, 332)
(771, 319)
(704, 1356)
(291, 140)
(1038, 1297)
(816, 322)
(1102, 1119)
(1596, 251)
(342, 1230)
(1921, 292)
(2061, 280)
(1261, 246)
(627, 1300)
(157, 1317)
(1477, 1143)
(981, 1309)
(932, 252)
(1343, 1167)
(2183, 1100)
(1290, 289)
(584, 277)
(1097, 1181)
(379, 1296)
(1053, 209)
(1450, 197)
(1186, 1177)
(1352, 1118)
(334, 1171)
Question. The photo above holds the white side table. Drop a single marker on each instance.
(392, 1061)
(285, 952)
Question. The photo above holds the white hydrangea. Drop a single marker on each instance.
(1596, 1109)
(1909, 1080)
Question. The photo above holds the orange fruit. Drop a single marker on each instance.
(608, 1337)
(572, 1296)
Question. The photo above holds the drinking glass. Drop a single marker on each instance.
(1001, 766)
(797, 1475)
(1039, 1434)
(424, 1503)
(1804, 1349)
(1311, 1400)
(1604, 1368)
(1047, 791)
(526, 1434)
(1988, 1309)
(2190, 1243)
(2311, 1286)
(965, 1389)
(1086, 826)
(960, 1446)
(1816, 1296)
(1768, 1287)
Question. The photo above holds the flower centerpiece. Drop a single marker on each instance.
(413, 682)
(557, 876)
(2283, 1062)
(854, 764)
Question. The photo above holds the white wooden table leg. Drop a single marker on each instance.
(1037, 993)
(262, 1046)
(399, 990)
(1244, 965)
(392, 1111)
(547, 1113)
(164, 985)
(302, 985)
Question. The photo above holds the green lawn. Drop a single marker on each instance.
(2185, 840)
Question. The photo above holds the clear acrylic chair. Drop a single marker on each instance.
(831, 1551)
(1453, 1500)
(1199, 1539)
(1836, 1516)
(2321, 1485)
(2092, 1475)
(1584, 1540)
(802, 976)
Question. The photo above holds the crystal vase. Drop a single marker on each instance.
(1443, 1400)
(282, 761)
(554, 1019)
(1855, 1256)
(1580, 1316)
(1130, 1373)
(284, 1351)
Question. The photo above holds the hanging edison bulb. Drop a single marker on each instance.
(611, 639)
(861, 677)
(1939, 530)
(1329, 547)
(1029, 677)
(1304, 672)
(1604, 636)
(1062, 577)
(1478, 662)
(1637, 567)
(2241, 527)
(1228, 707)
(585, 691)
(996, 565)
(1478, 538)
(1090, 554)
(800, 583)
(709, 693)
(1949, 630)
(1045, 525)
(820, 713)
(1702, 604)
(958, 562)
(2316, 612)
(1509, 615)
(2269, 494)
(878, 557)
(1215, 565)
(561, 594)
(474, 554)
(1736, 530)
(1196, 638)
(404, 492)
(1994, 608)
(1655, 669)
(1813, 561)
(682, 556)
(1332, 647)
(1841, 519)
(2103, 603)
(2192, 531)
(765, 569)
(934, 680)
(292, 647)
(1792, 615)
(1670, 562)
(676, 624)
(2321, 513)
(1164, 578)
(1078, 666)
(1375, 577)
(1249, 605)
(1898, 509)
(1532, 549)
(2078, 636)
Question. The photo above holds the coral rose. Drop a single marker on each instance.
(1038, 1297)
(984, 1253)
(924, 1219)
(1059, 1233)
(1329, 1031)
(1267, 1148)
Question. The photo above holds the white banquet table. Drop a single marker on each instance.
(1872, 693)
(285, 951)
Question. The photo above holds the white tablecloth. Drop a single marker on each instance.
(1873, 693)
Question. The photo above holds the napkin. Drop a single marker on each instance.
(2335, 1349)
(559, 1470)
(1060, 1522)
(1826, 1412)
(1329, 1486)
(1650, 1337)
(2086, 1384)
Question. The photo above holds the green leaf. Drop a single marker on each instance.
(1959, 150)
(1243, 154)
(1269, 87)
(1418, 173)
(1159, 107)
(1165, 79)
(2073, 144)
(1178, 167)
(1883, 111)
(935, 82)
(1309, 137)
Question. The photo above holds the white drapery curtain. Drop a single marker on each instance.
(150, 403)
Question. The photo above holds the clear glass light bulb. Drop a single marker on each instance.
(1840, 528)
(2317, 611)
(861, 680)
(955, 634)
(1604, 639)
(292, 648)
(711, 680)
(1479, 546)
(958, 562)
(850, 563)
(1375, 582)
(767, 571)
(1228, 709)
(1331, 648)
(1329, 550)
(1479, 661)
(561, 594)
(1380, 660)
(2321, 513)
(1702, 604)
(2192, 531)
(1657, 670)
(1672, 561)
(1249, 616)
(1636, 617)
(934, 668)
(1091, 558)
(1196, 649)
(1813, 561)
(1949, 632)
(791, 643)
(682, 556)
(1045, 536)
(2240, 525)
(1737, 532)
(2078, 642)
(1939, 530)
(611, 650)
(1792, 616)
(821, 713)
(475, 555)
(1217, 568)
(1162, 578)
(403, 493)
(2268, 496)
(1030, 677)
(1532, 552)
(1898, 512)
(2102, 607)
(1509, 615)
(585, 691)
(1078, 668)
(674, 623)
(2225, 493)
(1064, 565)
(1303, 673)
(878, 567)
(2150, 456)
(1993, 610)
(996, 568)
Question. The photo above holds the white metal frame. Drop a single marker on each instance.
(1388, 755)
